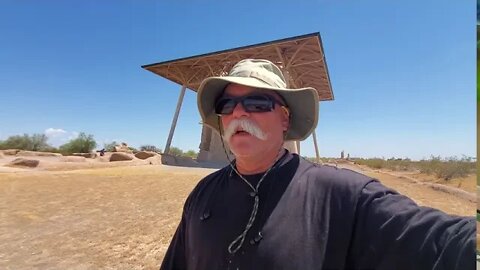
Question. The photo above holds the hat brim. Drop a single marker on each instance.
(302, 102)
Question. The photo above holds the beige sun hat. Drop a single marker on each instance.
(262, 74)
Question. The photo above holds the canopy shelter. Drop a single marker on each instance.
(301, 59)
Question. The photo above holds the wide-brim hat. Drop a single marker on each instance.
(262, 74)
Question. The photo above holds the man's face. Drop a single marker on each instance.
(272, 124)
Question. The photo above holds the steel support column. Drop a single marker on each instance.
(175, 118)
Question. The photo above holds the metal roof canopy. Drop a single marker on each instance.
(301, 59)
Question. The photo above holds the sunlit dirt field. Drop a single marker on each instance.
(118, 218)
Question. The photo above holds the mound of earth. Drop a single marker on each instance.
(120, 156)
(37, 154)
(10, 152)
(85, 155)
(23, 162)
(155, 160)
(145, 154)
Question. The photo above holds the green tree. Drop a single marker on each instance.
(82, 144)
(17, 142)
(39, 142)
(36, 142)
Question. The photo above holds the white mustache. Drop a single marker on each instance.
(247, 126)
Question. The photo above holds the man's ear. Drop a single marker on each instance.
(220, 126)
(285, 118)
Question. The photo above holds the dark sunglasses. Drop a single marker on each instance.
(253, 103)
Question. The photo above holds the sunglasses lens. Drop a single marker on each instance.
(225, 106)
(249, 103)
(257, 104)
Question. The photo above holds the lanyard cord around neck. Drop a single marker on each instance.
(236, 244)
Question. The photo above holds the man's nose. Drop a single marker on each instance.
(239, 111)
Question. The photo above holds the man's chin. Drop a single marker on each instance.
(244, 154)
(242, 147)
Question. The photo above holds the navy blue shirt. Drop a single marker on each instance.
(315, 217)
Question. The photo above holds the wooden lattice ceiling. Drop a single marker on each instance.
(301, 59)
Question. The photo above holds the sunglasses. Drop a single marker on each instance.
(252, 103)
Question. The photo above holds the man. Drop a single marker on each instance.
(271, 209)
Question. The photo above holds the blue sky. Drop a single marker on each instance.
(403, 72)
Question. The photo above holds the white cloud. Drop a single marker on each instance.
(58, 136)
(73, 135)
(54, 132)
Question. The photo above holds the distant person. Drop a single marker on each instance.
(271, 209)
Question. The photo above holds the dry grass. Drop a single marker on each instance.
(116, 218)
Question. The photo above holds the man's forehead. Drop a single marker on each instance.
(240, 90)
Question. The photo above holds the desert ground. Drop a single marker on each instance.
(123, 216)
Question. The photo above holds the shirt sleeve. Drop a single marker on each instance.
(392, 232)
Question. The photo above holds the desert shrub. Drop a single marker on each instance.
(133, 149)
(82, 144)
(110, 147)
(376, 163)
(394, 164)
(448, 168)
(175, 151)
(191, 154)
(398, 164)
(454, 167)
(151, 148)
(430, 166)
(35, 142)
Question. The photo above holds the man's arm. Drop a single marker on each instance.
(392, 232)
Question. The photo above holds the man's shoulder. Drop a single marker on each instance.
(212, 178)
(218, 174)
(332, 175)
(201, 190)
